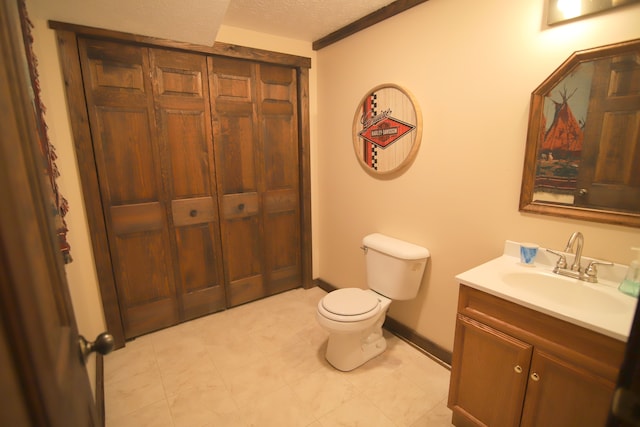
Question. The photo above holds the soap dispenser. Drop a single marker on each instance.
(631, 283)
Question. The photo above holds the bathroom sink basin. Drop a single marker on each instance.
(564, 291)
(599, 307)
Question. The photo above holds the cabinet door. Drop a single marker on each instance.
(560, 394)
(488, 376)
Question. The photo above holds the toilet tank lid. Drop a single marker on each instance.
(394, 247)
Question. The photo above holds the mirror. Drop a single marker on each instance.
(563, 10)
(387, 129)
(582, 156)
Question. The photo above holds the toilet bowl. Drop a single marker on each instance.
(354, 317)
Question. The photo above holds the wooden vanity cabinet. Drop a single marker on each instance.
(513, 366)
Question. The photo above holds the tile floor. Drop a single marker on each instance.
(262, 364)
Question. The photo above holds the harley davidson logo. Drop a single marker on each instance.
(384, 131)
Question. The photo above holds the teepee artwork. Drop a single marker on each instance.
(562, 134)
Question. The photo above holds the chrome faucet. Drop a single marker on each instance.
(576, 261)
(589, 274)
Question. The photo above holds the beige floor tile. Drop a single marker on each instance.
(299, 360)
(228, 350)
(324, 390)
(154, 415)
(279, 408)
(439, 416)
(134, 359)
(204, 406)
(249, 383)
(125, 396)
(183, 376)
(402, 401)
(357, 412)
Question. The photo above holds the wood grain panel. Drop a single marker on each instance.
(188, 145)
(196, 257)
(240, 205)
(124, 76)
(279, 153)
(235, 147)
(245, 290)
(138, 217)
(174, 82)
(232, 88)
(149, 317)
(244, 252)
(193, 211)
(485, 387)
(134, 179)
(284, 200)
(144, 267)
(565, 395)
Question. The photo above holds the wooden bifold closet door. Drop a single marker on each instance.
(151, 129)
(256, 144)
(197, 161)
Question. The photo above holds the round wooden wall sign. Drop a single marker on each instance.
(387, 129)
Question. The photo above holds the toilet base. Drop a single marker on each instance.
(346, 352)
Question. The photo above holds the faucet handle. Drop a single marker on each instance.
(562, 261)
(592, 272)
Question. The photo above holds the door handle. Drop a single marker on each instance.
(103, 345)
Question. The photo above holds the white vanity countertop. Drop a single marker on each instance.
(599, 307)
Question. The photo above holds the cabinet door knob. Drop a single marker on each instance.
(518, 369)
(535, 376)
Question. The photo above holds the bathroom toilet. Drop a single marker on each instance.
(354, 317)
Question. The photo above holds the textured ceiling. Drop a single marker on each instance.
(193, 21)
(299, 19)
(198, 21)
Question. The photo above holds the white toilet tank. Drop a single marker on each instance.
(394, 267)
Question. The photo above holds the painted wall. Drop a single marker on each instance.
(472, 66)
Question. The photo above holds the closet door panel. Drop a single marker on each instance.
(236, 149)
(188, 148)
(120, 106)
(184, 126)
(199, 275)
(242, 247)
(144, 283)
(238, 152)
(126, 154)
(243, 260)
(281, 213)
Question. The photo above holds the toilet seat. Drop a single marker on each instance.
(349, 305)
